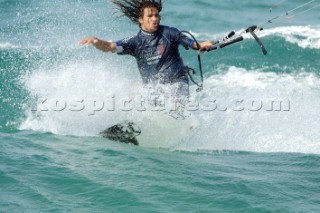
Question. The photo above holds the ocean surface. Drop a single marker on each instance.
(256, 148)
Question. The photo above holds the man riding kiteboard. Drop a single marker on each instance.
(155, 47)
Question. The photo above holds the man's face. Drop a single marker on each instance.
(150, 20)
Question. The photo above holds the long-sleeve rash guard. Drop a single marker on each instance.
(157, 54)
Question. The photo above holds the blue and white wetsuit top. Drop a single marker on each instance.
(157, 54)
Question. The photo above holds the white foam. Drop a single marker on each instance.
(86, 93)
(303, 36)
(70, 84)
(8, 45)
(293, 130)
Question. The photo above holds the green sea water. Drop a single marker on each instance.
(246, 160)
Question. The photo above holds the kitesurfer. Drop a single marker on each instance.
(155, 47)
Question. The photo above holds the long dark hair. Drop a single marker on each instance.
(133, 9)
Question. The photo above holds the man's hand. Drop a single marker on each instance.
(99, 44)
(205, 45)
(88, 41)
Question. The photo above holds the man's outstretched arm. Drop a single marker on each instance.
(100, 44)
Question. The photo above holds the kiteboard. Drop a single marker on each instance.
(125, 132)
(160, 130)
